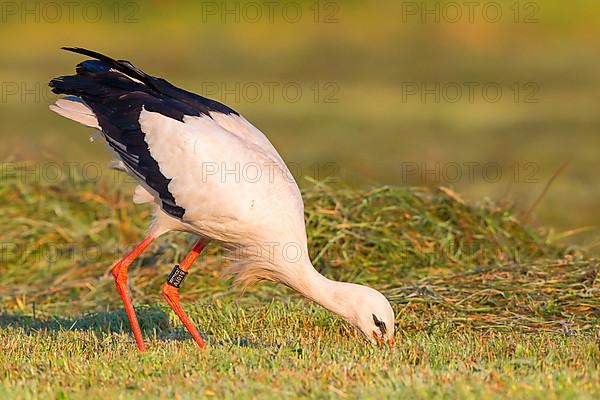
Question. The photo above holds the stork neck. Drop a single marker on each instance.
(326, 292)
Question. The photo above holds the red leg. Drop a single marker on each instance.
(171, 292)
(119, 272)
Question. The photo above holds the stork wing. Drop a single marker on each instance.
(114, 92)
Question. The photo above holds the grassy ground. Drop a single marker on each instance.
(290, 349)
(486, 306)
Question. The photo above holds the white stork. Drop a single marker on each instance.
(173, 141)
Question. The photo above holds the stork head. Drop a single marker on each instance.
(363, 307)
(370, 313)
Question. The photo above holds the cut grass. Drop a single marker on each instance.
(485, 307)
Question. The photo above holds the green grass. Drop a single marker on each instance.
(486, 306)
(289, 349)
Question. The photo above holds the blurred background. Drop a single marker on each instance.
(490, 98)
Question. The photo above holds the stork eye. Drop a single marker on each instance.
(380, 324)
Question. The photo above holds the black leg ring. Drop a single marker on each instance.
(176, 277)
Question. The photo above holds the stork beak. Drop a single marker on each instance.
(380, 341)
